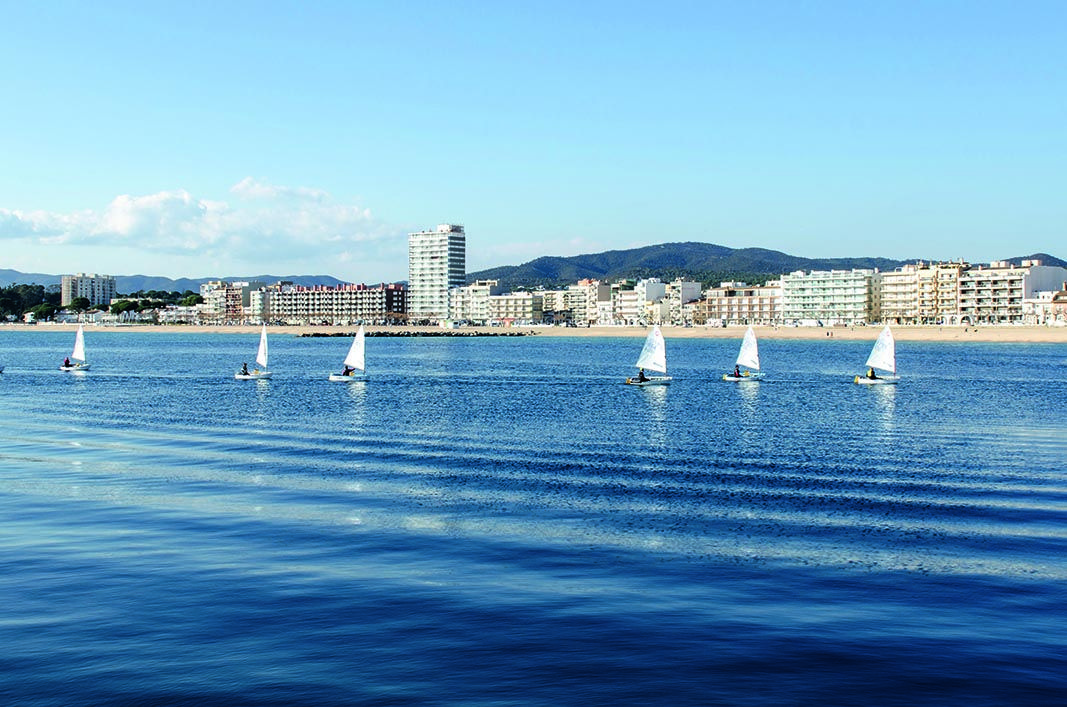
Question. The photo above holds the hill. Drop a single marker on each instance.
(703, 262)
(143, 283)
(1045, 259)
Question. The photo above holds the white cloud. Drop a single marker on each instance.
(261, 226)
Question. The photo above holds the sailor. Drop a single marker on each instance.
(348, 370)
(641, 377)
(870, 374)
(244, 368)
(66, 362)
(737, 371)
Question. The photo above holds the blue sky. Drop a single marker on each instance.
(203, 138)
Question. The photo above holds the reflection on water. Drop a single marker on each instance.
(749, 391)
(885, 401)
(655, 397)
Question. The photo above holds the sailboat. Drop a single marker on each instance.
(748, 357)
(355, 364)
(884, 358)
(76, 360)
(261, 358)
(653, 357)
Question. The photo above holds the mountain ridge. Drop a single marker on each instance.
(708, 263)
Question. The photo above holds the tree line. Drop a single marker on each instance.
(44, 301)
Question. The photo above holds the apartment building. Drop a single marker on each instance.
(517, 308)
(471, 302)
(994, 294)
(98, 289)
(437, 262)
(226, 302)
(339, 305)
(830, 297)
(740, 303)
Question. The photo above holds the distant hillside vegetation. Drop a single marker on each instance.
(143, 283)
(1045, 259)
(703, 262)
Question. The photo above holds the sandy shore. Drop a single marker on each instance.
(1006, 334)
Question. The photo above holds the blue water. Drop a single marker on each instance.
(501, 522)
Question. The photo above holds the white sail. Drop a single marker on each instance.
(355, 357)
(884, 354)
(79, 345)
(654, 353)
(749, 354)
(261, 355)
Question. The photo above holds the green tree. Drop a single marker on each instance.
(191, 300)
(43, 312)
(80, 304)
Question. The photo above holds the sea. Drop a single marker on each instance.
(501, 521)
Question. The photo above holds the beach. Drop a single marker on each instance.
(971, 334)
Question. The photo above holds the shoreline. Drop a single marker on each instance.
(980, 334)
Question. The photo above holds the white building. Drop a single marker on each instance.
(226, 302)
(437, 262)
(516, 308)
(995, 294)
(321, 304)
(98, 289)
(471, 302)
(830, 297)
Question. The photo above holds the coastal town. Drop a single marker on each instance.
(437, 293)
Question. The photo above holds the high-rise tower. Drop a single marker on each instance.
(437, 260)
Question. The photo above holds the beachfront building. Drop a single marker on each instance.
(939, 292)
(437, 262)
(569, 305)
(831, 297)
(679, 293)
(516, 308)
(470, 303)
(177, 314)
(733, 303)
(341, 305)
(226, 302)
(995, 294)
(597, 299)
(922, 293)
(900, 295)
(98, 289)
(627, 305)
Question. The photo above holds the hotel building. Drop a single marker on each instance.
(226, 302)
(830, 297)
(517, 308)
(340, 305)
(471, 302)
(98, 289)
(437, 262)
(739, 303)
(995, 294)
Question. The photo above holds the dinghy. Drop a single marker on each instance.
(883, 358)
(748, 357)
(261, 358)
(654, 358)
(76, 361)
(355, 365)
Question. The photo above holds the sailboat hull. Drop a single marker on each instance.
(864, 380)
(652, 380)
(253, 375)
(745, 377)
(75, 367)
(339, 378)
